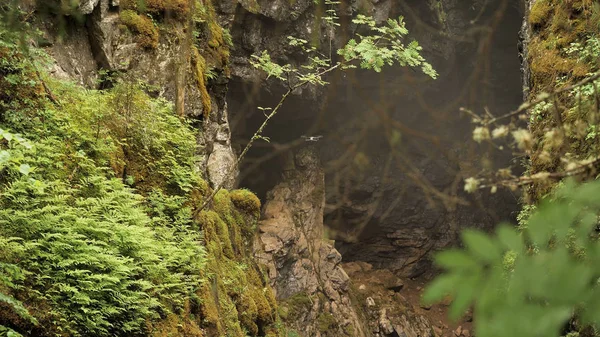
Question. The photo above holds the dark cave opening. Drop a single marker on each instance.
(395, 145)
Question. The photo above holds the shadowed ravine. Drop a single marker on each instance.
(299, 168)
(392, 205)
(394, 151)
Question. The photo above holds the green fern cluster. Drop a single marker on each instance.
(86, 243)
(82, 253)
(88, 251)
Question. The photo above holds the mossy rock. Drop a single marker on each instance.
(295, 305)
(147, 33)
(245, 201)
(326, 322)
(540, 12)
(248, 313)
(200, 67)
(216, 234)
(264, 309)
(218, 40)
(176, 325)
(179, 9)
(224, 238)
(557, 25)
(222, 202)
(210, 310)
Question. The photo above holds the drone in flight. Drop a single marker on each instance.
(312, 138)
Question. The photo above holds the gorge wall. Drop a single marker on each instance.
(380, 191)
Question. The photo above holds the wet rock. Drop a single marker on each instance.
(396, 285)
(398, 311)
(72, 56)
(278, 10)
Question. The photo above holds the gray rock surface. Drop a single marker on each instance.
(525, 36)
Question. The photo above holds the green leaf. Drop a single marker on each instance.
(481, 246)
(466, 291)
(586, 194)
(493, 291)
(588, 221)
(440, 287)
(25, 169)
(551, 219)
(510, 238)
(4, 157)
(591, 309)
(456, 260)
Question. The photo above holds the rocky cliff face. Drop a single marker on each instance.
(103, 42)
(316, 295)
(303, 267)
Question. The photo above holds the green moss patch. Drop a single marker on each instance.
(562, 52)
(246, 201)
(147, 33)
(179, 9)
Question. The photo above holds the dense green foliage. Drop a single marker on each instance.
(97, 230)
(72, 230)
(529, 283)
